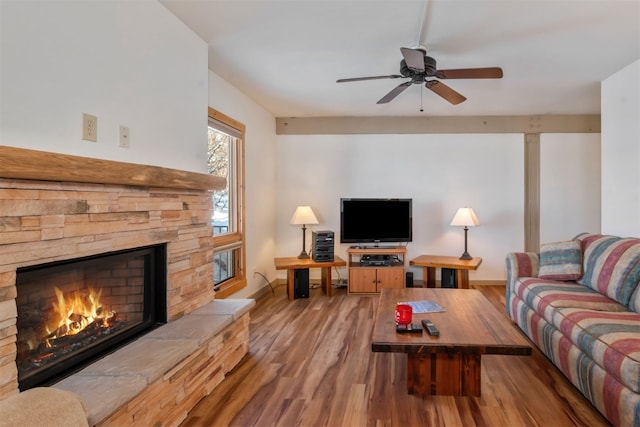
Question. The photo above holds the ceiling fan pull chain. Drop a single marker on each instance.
(421, 90)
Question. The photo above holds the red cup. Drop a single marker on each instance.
(403, 314)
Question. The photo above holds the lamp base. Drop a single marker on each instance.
(303, 253)
(466, 256)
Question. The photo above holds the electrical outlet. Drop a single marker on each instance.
(123, 137)
(89, 127)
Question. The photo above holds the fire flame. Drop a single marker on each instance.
(75, 312)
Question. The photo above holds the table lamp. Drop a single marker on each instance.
(303, 215)
(465, 217)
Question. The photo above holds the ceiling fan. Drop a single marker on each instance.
(420, 68)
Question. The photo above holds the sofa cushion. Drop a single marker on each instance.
(611, 265)
(561, 260)
(544, 296)
(610, 339)
(634, 302)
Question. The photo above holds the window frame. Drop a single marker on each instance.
(234, 240)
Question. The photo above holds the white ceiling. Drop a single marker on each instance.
(287, 54)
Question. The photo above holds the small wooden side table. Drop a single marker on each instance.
(294, 263)
(429, 263)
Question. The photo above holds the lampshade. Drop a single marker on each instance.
(303, 215)
(465, 217)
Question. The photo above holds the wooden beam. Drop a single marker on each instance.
(20, 163)
(585, 123)
(531, 192)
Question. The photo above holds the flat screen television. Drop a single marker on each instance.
(375, 220)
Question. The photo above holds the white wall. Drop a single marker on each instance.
(569, 185)
(621, 152)
(260, 178)
(128, 63)
(439, 172)
(135, 64)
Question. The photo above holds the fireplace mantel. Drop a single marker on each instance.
(21, 163)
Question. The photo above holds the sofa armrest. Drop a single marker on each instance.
(519, 264)
(522, 264)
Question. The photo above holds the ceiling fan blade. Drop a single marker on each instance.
(394, 92)
(358, 79)
(445, 91)
(471, 73)
(414, 59)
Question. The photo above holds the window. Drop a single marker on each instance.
(226, 159)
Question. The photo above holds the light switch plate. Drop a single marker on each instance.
(123, 137)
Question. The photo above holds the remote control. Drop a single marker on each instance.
(411, 329)
(430, 327)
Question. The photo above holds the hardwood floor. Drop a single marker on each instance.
(310, 364)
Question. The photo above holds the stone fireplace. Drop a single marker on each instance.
(55, 208)
(73, 312)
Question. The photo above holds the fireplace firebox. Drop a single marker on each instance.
(73, 312)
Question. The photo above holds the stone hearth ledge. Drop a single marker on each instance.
(116, 379)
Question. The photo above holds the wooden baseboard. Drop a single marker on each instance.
(421, 283)
(488, 282)
(417, 283)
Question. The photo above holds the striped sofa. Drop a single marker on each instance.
(579, 302)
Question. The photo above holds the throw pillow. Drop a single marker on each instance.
(561, 260)
(611, 266)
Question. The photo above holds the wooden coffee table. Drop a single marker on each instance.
(449, 364)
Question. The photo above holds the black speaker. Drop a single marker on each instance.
(409, 279)
(301, 283)
(449, 278)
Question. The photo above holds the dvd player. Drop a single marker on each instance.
(377, 260)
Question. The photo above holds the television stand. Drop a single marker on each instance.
(371, 269)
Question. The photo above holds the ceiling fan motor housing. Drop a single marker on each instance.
(430, 68)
